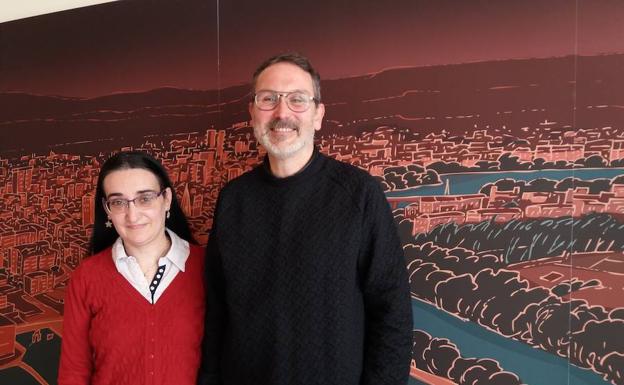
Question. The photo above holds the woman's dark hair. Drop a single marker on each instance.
(103, 236)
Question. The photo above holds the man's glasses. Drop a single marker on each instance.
(297, 101)
(142, 201)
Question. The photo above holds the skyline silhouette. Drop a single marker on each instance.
(197, 46)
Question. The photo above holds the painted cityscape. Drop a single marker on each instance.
(508, 197)
(496, 130)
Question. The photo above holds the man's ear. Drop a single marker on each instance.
(318, 116)
(250, 109)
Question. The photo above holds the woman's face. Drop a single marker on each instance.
(139, 223)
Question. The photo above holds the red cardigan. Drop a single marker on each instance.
(112, 335)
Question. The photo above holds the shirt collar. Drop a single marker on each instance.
(178, 252)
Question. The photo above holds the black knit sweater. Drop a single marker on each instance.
(306, 282)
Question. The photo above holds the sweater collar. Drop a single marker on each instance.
(310, 168)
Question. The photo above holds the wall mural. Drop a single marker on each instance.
(496, 131)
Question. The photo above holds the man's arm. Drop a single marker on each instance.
(388, 333)
(209, 371)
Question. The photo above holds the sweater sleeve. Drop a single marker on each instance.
(209, 371)
(76, 356)
(386, 296)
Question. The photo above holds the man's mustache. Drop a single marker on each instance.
(283, 123)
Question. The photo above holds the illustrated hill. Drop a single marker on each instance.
(517, 94)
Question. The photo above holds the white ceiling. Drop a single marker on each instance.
(19, 9)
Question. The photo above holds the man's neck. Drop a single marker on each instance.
(283, 168)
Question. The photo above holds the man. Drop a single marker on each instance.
(306, 281)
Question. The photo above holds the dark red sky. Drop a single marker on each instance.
(139, 45)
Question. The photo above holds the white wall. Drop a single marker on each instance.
(20, 9)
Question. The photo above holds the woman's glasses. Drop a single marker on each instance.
(142, 201)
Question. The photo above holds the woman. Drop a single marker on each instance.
(134, 310)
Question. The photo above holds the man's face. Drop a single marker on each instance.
(283, 133)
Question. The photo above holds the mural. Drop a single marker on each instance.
(497, 132)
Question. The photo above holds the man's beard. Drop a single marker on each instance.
(282, 151)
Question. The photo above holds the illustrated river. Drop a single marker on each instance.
(471, 183)
(533, 366)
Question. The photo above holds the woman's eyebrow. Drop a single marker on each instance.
(116, 194)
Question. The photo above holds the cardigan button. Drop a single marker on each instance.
(151, 373)
(151, 356)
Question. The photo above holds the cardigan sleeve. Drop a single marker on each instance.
(76, 356)
(387, 303)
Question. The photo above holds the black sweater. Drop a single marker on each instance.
(306, 282)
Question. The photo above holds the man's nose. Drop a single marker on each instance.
(281, 110)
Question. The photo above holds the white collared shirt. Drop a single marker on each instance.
(173, 262)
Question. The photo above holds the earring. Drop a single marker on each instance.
(168, 214)
(108, 223)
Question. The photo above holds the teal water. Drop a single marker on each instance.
(471, 183)
(533, 366)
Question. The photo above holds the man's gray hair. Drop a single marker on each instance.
(296, 59)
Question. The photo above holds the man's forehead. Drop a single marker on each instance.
(284, 73)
